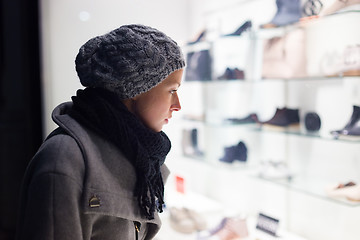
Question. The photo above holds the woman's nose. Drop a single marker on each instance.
(176, 104)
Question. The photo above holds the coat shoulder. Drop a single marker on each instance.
(59, 154)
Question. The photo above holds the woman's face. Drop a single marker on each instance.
(155, 107)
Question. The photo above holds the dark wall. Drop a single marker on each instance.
(20, 102)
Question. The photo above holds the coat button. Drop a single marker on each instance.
(94, 201)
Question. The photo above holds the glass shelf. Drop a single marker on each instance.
(330, 137)
(257, 81)
(257, 128)
(311, 187)
(314, 78)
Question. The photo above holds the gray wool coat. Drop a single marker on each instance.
(79, 186)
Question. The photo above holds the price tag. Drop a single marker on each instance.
(180, 184)
(267, 224)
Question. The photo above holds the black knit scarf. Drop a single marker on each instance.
(104, 112)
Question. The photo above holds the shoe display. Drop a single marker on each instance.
(230, 228)
(233, 153)
(352, 128)
(244, 27)
(288, 12)
(284, 117)
(185, 220)
(349, 191)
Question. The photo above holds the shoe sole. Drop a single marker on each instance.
(353, 199)
(354, 138)
(291, 127)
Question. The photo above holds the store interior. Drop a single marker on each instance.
(267, 143)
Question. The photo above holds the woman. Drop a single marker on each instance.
(100, 174)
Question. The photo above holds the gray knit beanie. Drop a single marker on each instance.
(129, 60)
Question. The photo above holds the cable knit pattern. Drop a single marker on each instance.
(129, 60)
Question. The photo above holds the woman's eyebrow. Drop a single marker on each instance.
(173, 83)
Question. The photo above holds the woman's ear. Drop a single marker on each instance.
(130, 103)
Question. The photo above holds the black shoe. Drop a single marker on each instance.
(284, 117)
(246, 26)
(237, 152)
(251, 118)
(352, 128)
(232, 74)
(227, 75)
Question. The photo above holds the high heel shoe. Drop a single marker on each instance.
(201, 37)
(244, 27)
(352, 128)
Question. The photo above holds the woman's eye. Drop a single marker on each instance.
(173, 91)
